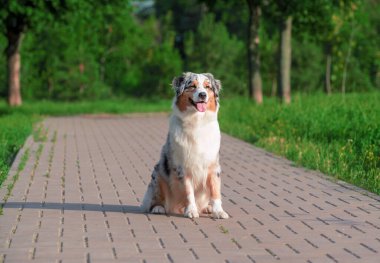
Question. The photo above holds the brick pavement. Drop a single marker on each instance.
(77, 201)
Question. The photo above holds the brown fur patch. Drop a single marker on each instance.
(178, 195)
(164, 191)
(213, 183)
(183, 101)
(211, 104)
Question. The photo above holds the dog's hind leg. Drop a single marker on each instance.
(160, 204)
(151, 192)
(207, 209)
(156, 195)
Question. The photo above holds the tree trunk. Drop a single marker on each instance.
(328, 74)
(255, 83)
(347, 61)
(14, 64)
(285, 59)
(274, 86)
(328, 53)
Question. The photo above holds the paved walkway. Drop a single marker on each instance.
(77, 201)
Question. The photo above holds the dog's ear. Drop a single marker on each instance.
(215, 83)
(178, 84)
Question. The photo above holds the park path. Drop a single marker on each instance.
(77, 200)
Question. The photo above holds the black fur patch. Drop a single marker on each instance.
(166, 165)
(179, 172)
(154, 173)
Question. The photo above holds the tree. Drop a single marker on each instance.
(285, 11)
(285, 58)
(254, 82)
(15, 18)
(324, 20)
(331, 24)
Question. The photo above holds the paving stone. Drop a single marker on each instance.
(77, 200)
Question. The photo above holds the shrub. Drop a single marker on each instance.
(212, 49)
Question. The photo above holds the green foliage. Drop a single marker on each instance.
(212, 49)
(355, 42)
(20, 14)
(338, 135)
(103, 49)
(162, 61)
(308, 65)
(67, 59)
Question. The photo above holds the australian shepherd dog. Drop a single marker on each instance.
(187, 180)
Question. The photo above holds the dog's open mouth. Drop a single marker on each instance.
(201, 106)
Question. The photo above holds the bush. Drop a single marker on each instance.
(212, 49)
(159, 71)
(308, 66)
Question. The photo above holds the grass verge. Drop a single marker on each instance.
(337, 135)
(14, 129)
(53, 108)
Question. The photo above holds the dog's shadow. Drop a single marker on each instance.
(126, 209)
(130, 209)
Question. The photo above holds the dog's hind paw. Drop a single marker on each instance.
(158, 210)
(207, 210)
(191, 212)
(220, 215)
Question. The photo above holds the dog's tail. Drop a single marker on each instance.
(147, 202)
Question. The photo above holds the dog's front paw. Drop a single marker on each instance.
(191, 211)
(220, 214)
(217, 210)
(158, 210)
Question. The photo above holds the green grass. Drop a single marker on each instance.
(14, 129)
(88, 107)
(337, 135)
(20, 168)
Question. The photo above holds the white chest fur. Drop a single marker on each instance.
(195, 144)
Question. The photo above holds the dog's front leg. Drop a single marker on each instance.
(214, 184)
(191, 210)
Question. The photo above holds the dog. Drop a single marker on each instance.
(186, 180)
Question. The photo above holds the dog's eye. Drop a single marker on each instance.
(191, 87)
(208, 87)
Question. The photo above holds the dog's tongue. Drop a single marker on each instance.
(201, 106)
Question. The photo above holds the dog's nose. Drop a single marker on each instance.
(202, 95)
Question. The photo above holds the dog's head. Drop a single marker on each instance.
(196, 93)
